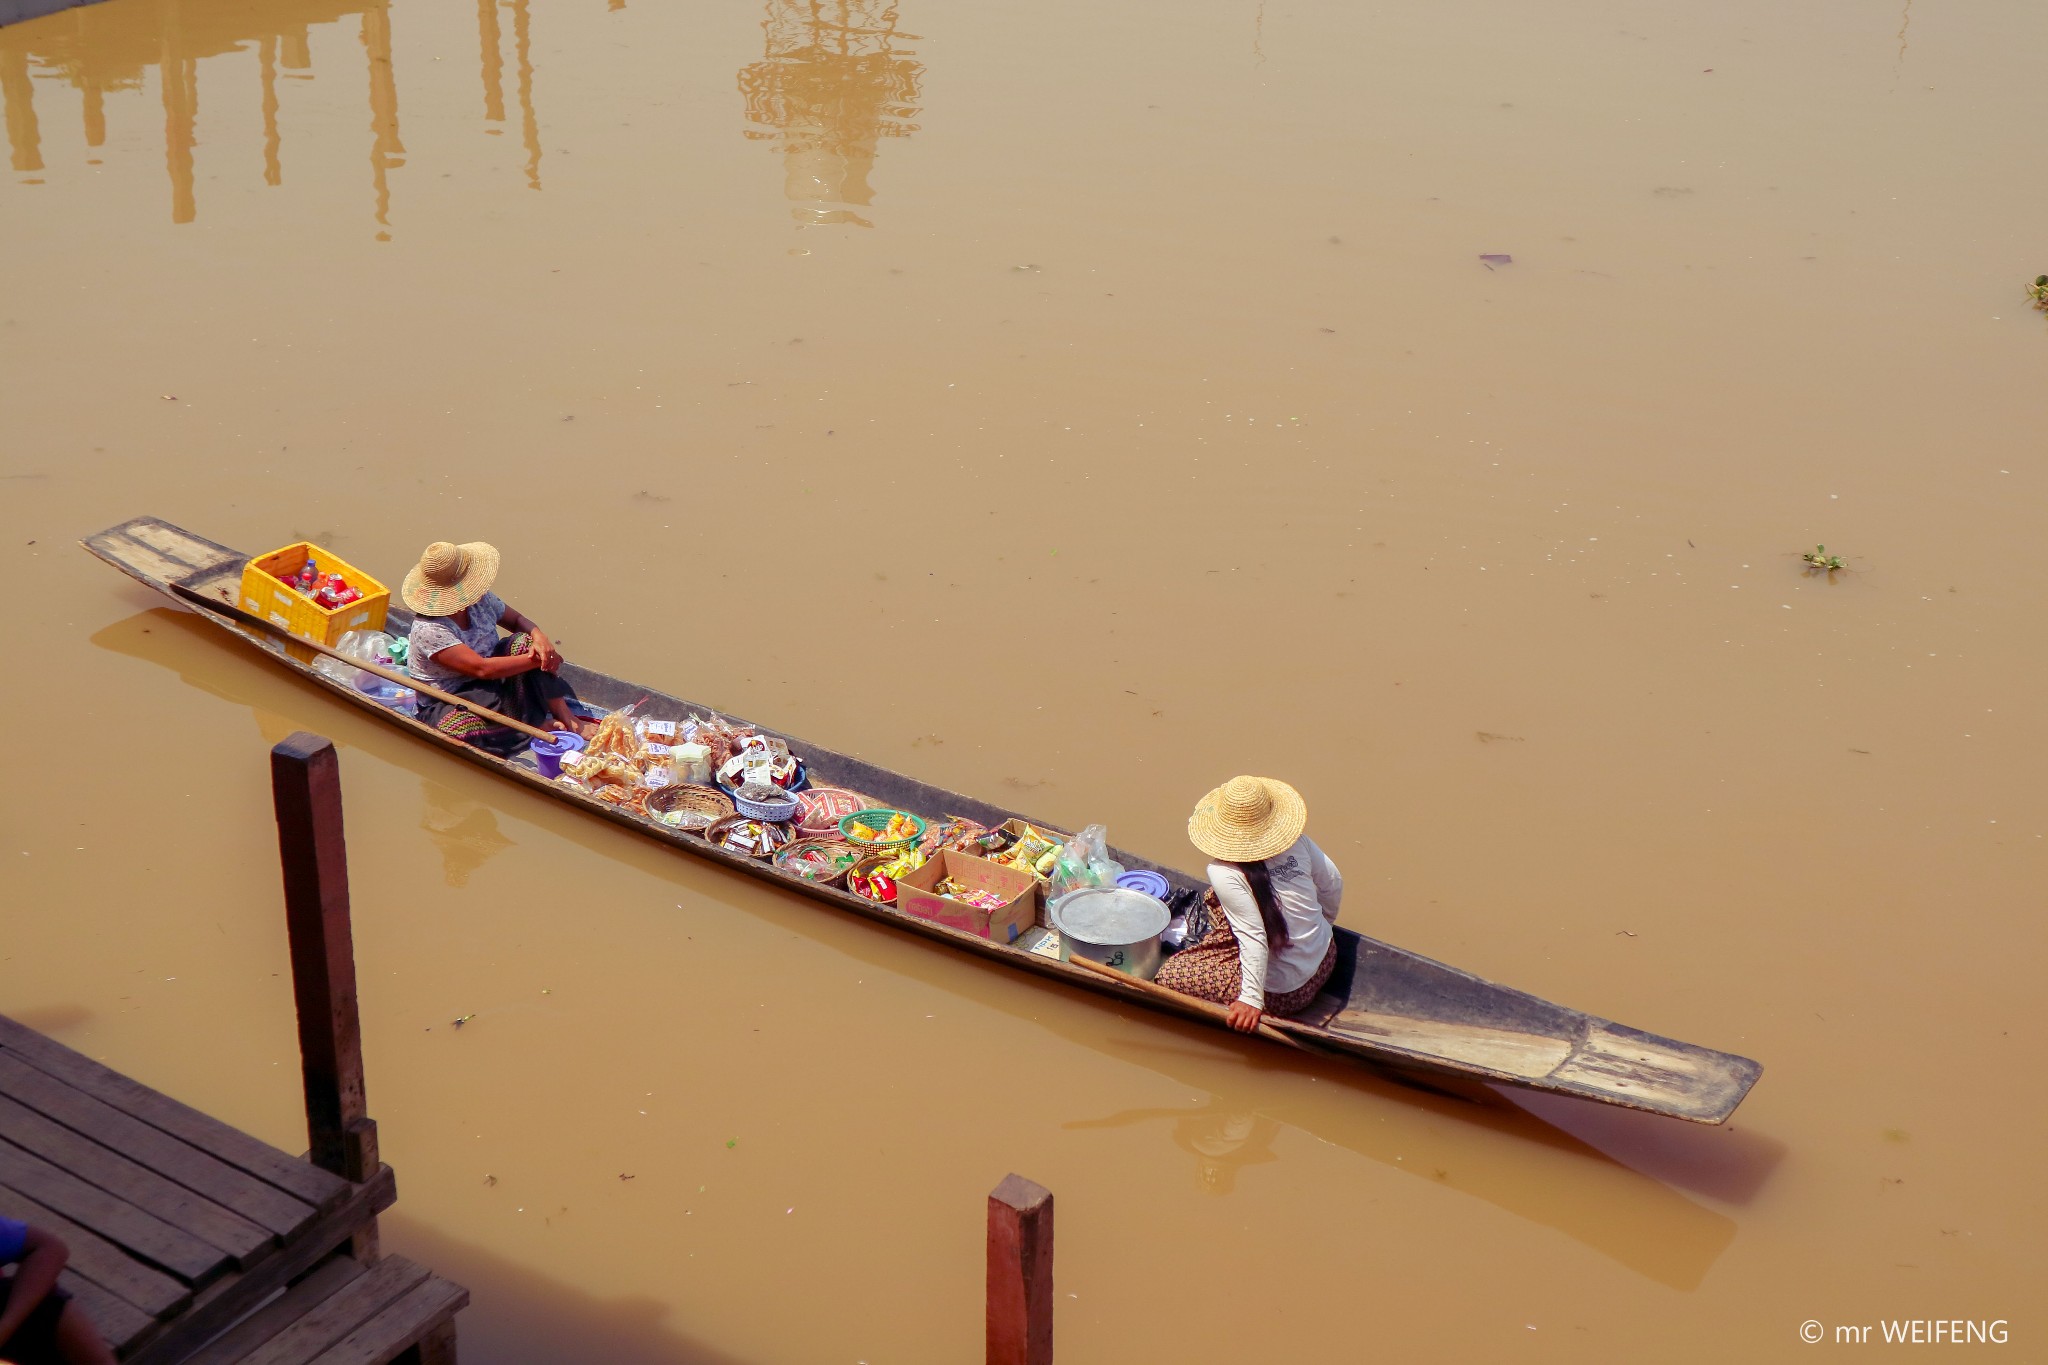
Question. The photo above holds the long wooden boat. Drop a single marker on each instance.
(1384, 1007)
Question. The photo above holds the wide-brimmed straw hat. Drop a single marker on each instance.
(450, 577)
(1248, 819)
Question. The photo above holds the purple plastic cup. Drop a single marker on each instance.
(548, 752)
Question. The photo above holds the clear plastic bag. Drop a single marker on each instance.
(1083, 862)
(371, 646)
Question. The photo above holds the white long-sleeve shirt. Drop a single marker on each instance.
(1309, 889)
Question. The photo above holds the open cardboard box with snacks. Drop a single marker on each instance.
(917, 893)
(1019, 829)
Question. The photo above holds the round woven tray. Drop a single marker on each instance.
(877, 819)
(716, 835)
(789, 855)
(698, 808)
(822, 808)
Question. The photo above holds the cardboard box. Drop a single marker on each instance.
(915, 894)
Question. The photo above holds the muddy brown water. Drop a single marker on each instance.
(1076, 406)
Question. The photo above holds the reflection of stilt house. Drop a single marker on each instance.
(97, 49)
(101, 48)
(830, 87)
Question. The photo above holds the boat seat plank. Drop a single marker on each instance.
(181, 545)
(1645, 1071)
(399, 1326)
(119, 1321)
(169, 1156)
(94, 1258)
(143, 1188)
(1530, 1055)
(299, 1178)
(120, 1222)
(318, 1284)
(332, 1319)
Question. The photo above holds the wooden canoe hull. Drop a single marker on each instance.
(1384, 1007)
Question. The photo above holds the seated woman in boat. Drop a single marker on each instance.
(455, 646)
(1267, 946)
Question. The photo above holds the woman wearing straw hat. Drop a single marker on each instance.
(1273, 895)
(455, 646)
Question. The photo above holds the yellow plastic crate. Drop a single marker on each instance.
(266, 593)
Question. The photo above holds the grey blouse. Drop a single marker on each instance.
(432, 634)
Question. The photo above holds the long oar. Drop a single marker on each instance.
(1271, 1031)
(235, 613)
(1204, 1006)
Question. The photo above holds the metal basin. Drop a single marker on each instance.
(1115, 926)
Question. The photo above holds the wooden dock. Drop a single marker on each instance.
(193, 1243)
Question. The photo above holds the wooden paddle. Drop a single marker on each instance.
(235, 613)
(1204, 1006)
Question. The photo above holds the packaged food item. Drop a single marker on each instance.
(690, 763)
(954, 890)
(899, 827)
(615, 737)
(956, 832)
(878, 883)
(755, 838)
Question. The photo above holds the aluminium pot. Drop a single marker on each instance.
(1112, 925)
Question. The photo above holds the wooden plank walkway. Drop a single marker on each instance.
(192, 1241)
(156, 1200)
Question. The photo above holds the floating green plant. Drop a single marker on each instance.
(1819, 558)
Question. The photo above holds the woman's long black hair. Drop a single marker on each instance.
(1261, 882)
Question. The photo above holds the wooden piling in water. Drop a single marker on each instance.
(1019, 1273)
(305, 777)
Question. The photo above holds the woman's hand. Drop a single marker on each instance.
(550, 657)
(1245, 1018)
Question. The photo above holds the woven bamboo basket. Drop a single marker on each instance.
(716, 834)
(794, 857)
(694, 808)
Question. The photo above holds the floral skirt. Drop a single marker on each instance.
(1209, 968)
(523, 696)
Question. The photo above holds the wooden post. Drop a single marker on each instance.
(305, 777)
(1020, 1273)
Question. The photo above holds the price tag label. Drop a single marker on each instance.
(758, 763)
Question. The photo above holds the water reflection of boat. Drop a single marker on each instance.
(108, 48)
(1384, 1007)
(831, 86)
(1612, 1191)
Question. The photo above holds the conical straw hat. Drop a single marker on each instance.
(450, 577)
(1248, 819)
